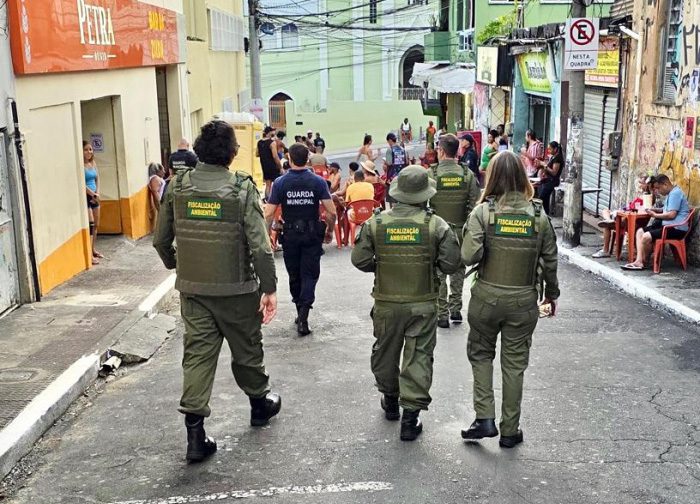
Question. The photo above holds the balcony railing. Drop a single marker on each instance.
(412, 94)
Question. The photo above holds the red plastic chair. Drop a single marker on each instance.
(362, 210)
(275, 231)
(677, 246)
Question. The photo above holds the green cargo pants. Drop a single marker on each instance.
(453, 302)
(208, 320)
(409, 328)
(515, 317)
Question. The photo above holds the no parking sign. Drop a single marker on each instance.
(581, 44)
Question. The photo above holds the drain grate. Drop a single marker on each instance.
(17, 375)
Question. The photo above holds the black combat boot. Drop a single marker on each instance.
(443, 323)
(390, 405)
(199, 446)
(480, 428)
(264, 408)
(456, 317)
(411, 426)
(303, 321)
(511, 441)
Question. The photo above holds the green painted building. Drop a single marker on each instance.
(341, 67)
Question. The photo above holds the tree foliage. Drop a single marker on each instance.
(499, 27)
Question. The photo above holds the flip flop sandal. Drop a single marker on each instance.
(632, 267)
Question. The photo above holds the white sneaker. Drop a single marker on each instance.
(601, 254)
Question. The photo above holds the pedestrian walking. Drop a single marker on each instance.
(457, 194)
(226, 278)
(269, 159)
(512, 243)
(405, 247)
(365, 153)
(300, 192)
(550, 174)
(319, 143)
(406, 131)
(394, 161)
(430, 133)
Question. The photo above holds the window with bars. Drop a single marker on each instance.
(226, 31)
(466, 40)
(417, 2)
(670, 52)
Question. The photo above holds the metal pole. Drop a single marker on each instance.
(573, 198)
(254, 48)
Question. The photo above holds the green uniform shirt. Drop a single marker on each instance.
(254, 227)
(445, 243)
(475, 229)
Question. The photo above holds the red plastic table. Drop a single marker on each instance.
(635, 220)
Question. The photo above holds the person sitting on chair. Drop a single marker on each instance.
(675, 211)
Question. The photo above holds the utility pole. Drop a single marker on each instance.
(254, 48)
(573, 204)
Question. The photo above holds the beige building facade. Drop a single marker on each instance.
(120, 84)
(661, 98)
(215, 58)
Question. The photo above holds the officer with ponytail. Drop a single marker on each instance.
(226, 278)
(510, 241)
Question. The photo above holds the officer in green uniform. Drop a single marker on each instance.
(512, 241)
(457, 194)
(226, 278)
(405, 247)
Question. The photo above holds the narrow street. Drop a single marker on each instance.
(610, 416)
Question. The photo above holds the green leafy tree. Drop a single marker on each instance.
(499, 27)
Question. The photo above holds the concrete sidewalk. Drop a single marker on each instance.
(51, 351)
(672, 290)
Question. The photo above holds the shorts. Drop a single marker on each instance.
(656, 228)
(92, 203)
(271, 173)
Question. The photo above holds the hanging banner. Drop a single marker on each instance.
(535, 73)
(607, 73)
(78, 35)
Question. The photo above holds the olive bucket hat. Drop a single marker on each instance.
(412, 186)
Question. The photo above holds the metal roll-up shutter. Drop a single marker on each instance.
(609, 116)
(592, 143)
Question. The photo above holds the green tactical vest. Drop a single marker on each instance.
(451, 202)
(512, 247)
(212, 253)
(405, 258)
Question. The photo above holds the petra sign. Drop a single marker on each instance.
(78, 35)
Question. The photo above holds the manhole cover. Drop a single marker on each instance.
(16, 375)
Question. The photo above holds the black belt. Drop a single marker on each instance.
(302, 226)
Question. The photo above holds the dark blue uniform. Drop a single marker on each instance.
(300, 193)
(182, 159)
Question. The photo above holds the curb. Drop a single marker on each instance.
(19, 436)
(632, 287)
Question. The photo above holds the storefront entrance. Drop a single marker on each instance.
(100, 120)
(540, 117)
(9, 279)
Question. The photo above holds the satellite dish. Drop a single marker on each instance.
(267, 28)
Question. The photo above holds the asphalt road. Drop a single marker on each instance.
(610, 415)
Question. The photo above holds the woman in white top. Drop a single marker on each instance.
(366, 153)
(156, 185)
